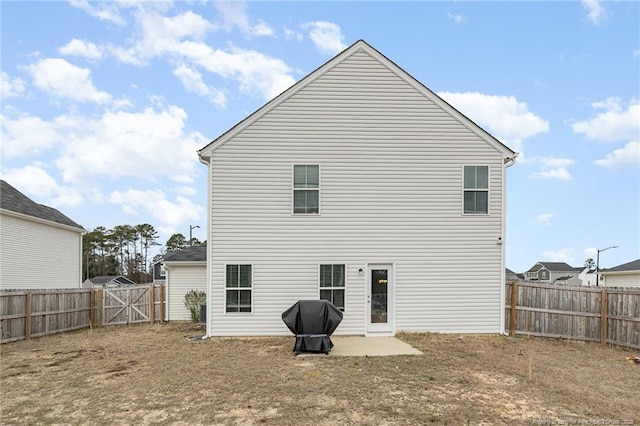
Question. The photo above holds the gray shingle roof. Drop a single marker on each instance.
(103, 279)
(189, 254)
(13, 200)
(634, 265)
(558, 267)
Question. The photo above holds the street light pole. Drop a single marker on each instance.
(191, 228)
(598, 263)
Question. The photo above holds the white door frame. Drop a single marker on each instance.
(388, 328)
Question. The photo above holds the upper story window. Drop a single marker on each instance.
(476, 189)
(306, 189)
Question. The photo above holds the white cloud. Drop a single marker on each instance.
(628, 156)
(636, 53)
(168, 214)
(84, 49)
(163, 37)
(10, 88)
(59, 78)
(327, 36)
(192, 82)
(290, 34)
(234, 14)
(458, 19)
(552, 167)
(120, 144)
(503, 116)
(544, 219)
(596, 12)
(563, 255)
(615, 124)
(27, 135)
(37, 182)
(104, 11)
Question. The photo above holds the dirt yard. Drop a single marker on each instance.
(147, 375)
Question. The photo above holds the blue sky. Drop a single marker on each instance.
(104, 104)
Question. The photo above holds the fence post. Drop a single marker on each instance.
(603, 316)
(514, 305)
(92, 308)
(27, 318)
(152, 303)
(100, 311)
(162, 307)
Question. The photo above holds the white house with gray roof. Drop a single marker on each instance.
(39, 246)
(185, 270)
(624, 275)
(361, 186)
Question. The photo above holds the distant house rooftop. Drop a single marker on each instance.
(634, 265)
(15, 201)
(188, 254)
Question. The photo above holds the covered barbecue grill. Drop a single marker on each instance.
(312, 321)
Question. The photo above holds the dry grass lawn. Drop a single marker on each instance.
(147, 375)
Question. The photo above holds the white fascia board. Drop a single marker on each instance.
(42, 221)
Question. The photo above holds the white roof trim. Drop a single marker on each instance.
(360, 45)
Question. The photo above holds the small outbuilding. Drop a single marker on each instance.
(185, 270)
(107, 281)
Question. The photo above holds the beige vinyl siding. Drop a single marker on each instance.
(622, 280)
(35, 255)
(182, 279)
(391, 166)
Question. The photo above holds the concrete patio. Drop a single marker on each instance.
(370, 346)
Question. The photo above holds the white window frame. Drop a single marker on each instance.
(237, 288)
(332, 288)
(163, 271)
(294, 189)
(487, 190)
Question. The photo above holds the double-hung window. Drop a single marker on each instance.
(306, 188)
(332, 284)
(476, 189)
(238, 288)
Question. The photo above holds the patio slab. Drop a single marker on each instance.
(370, 346)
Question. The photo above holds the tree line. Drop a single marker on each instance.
(124, 250)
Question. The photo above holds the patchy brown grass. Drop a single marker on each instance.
(153, 375)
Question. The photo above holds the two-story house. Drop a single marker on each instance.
(361, 186)
(554, 272)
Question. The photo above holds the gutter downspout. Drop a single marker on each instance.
(209, 163)
(508, 162)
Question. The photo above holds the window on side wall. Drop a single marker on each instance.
(239, 286)
(332, 284)
(306, 189)
(476, 189)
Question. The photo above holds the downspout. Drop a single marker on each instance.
(209, 163)
(508, 162)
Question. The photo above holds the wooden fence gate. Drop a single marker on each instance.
(126, 305)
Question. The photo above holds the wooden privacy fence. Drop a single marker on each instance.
(32, 313)
(606, 315)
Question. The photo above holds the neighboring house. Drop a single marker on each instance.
(361, 186)
(159, 271)
(186, 270)
(511, 276)
(588, 277)
(555, 273)
(39, 246)
(107, 281)
(625, 275)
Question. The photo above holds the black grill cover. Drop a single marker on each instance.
(312, 321)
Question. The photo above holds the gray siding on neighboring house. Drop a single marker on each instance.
(391, 166)
(36, 254)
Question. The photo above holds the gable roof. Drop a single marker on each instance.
(188, 254)
(15, 201)
(559, 267)
(359, 46)
(633, 266)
